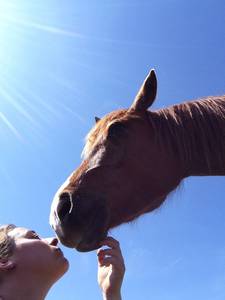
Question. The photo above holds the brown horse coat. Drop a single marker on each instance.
(133, 158)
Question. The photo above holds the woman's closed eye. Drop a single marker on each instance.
(33, 235)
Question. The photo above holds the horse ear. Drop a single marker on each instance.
(147, 93)
(97, 119)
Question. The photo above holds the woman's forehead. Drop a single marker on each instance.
(19, 232)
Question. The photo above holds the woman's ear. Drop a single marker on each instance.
(6, 264)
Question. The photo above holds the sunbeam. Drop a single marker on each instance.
(24, 73)
(46, 28)
(13, 100)
(10, 126)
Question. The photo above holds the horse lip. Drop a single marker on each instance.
(70, 242)
(86, 244)
(85, 247)
(85, 240)
(85, 237)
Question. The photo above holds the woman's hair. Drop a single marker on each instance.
(6, 242)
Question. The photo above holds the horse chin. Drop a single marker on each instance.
(85, 243)
(91, 238)
(83, 237)
(86, 246)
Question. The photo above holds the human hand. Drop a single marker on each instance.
(111, 269)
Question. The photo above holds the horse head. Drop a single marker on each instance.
(124, 173)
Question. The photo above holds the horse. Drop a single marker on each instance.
(133, 158)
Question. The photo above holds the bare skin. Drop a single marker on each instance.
(37, 263)
(111, 269)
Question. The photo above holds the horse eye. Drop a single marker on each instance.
(116, 129)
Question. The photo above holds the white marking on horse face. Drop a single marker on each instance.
(87, 148)
(93, 162)
(53, 218)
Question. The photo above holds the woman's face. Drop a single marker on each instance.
(37, 256)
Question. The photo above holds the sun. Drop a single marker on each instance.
(11, 41)
(25, 38)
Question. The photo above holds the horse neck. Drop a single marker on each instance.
(194, 133)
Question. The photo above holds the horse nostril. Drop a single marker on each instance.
(65, 205)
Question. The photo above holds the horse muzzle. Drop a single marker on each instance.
(80, 222)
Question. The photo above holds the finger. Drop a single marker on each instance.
(118, 259)
(110, 252)
(110, 242)
(114, 262)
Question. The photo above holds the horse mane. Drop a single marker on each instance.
(194, 130)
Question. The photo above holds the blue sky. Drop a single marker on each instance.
(62, 63)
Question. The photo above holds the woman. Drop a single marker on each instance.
(30, 265)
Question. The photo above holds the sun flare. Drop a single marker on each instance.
(27, 40)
